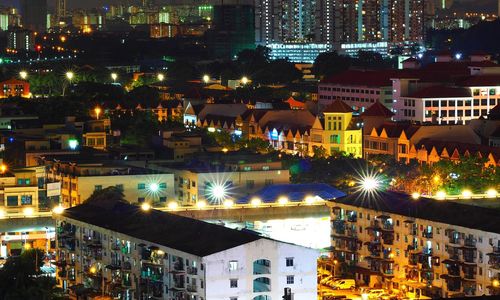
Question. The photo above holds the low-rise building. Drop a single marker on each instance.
(119, 250)
(79, 180)
(14, 88)
(214, 179)
(443, 249)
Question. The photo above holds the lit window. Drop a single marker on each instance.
(233, 265)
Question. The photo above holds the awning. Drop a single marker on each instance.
(383, 217)
(450, 262)
(113, 267)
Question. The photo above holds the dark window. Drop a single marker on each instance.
(12, 201)
(233, 283)
(163, 199)
(289, 261)
(141, 186)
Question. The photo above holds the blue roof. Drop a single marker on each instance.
(294, 192)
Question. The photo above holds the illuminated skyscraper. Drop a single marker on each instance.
(34, 14)
(61, 9)
(378, 20)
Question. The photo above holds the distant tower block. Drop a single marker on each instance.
(61, 9)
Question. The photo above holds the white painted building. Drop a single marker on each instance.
(165, 256)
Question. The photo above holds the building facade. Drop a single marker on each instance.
(80, 180)
(391, 240)
(165, 256)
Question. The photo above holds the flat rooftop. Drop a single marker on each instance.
(184, 234)
(447, 212)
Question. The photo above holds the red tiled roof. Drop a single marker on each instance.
(440, 91)
(363, 78)
(481, 80)
(338, 106)
(377, 109)
(13, 81)
(294, 103)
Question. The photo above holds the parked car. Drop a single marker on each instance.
(372, 294)
(344, 284)
(387, 296)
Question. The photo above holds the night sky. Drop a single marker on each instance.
(460, 5)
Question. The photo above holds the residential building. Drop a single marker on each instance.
(97, 134)
(129, 253)
(427, 144)
(79, 180)
(433, 247)
(19, 39)
(237, 175)
(14, 88)
(378, 21)
(297, 52)
(338, 131)
(359, 89)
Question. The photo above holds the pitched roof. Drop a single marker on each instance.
(481, 80)
(363, 78)
(440, 91)
(447, 212)
(377, 109)
(184, 234)
(338, 106)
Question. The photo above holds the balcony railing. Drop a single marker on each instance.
(470, 242)
(427, 234)
(192, 288)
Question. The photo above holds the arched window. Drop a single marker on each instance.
(261, 284)
(262, 266)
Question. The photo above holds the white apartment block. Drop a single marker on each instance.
(444, 249)
(123, 251)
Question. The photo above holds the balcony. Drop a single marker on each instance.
(192, 288)
(470, 275)
(126, 266)
(470, 242)
(427, 234)
(339, 227)
(179, 282)
(192, 270)
(352, 217)
(388, 238)
(453, 270)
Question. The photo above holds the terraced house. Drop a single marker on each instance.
(442, 249)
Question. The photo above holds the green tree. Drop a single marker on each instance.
(21, 278)
(330, 63)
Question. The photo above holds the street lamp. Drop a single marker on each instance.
(160, 77)
(206, 78)
(23, 75)
(145, 206)
(244, 80)
(70, 75)
(97, 111)
(415, 196)
(58, 210)
(114, 76)
(3, 168)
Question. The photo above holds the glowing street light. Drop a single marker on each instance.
(173, 205)
(495, 283)
(3, 168)
(201, 204)
(58, 210)
(73, 144)
(218, 192)
(491, 193)
(256, 201)
(244, 80)
(282, 200)
(228, 203)
(2, 213)
(27, 246)
(114, 76)
(97, 111)
(310, 199)
(441, 195)
(154, 187)
(466, 194)
(160, 77)
(93, 270)
(370, 184)
(145, 206)
(206, 78)
(23, 75)
(28, 211)
(70, 75)
(415, 196)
